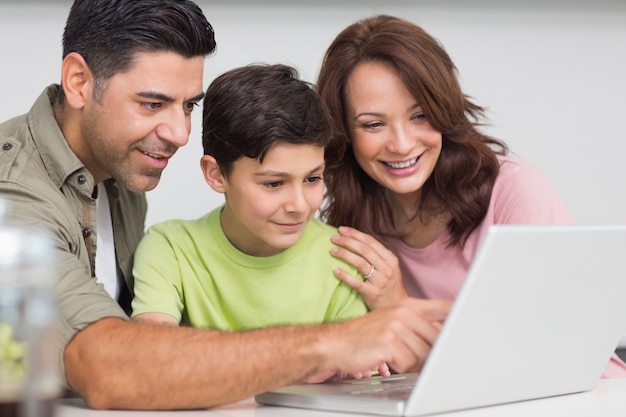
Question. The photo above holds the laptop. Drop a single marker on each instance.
(540, 313)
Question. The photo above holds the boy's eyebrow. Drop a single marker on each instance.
(164, 97)
(285, 174)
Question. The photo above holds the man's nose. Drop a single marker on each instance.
(175, 128)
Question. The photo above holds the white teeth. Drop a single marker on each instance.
(153, 155)
(398, 165)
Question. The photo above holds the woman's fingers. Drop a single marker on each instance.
(380, 282)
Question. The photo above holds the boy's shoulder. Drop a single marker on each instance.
(321, 228)
(172, 226)
(317, 234)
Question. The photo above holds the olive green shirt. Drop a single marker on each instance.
(46, 186)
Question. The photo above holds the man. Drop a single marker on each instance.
(77, 165)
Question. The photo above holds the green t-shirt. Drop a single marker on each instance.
(189, 270)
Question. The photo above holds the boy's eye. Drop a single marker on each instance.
(273, 184)
(314, 179)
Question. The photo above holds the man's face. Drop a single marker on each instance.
(141, 119)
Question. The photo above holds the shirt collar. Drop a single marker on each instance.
(57, 156)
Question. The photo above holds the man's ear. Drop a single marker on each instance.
(77, 80)
(212, 174)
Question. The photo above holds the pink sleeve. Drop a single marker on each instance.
(615, 369)
(522, 195)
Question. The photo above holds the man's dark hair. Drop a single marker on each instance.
(108, 33)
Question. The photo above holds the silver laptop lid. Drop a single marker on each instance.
(540, 313)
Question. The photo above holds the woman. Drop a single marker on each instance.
(411, 168)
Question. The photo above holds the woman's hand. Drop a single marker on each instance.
(382, 283)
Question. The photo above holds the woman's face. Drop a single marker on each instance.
(391, 137)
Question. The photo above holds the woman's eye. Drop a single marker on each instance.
(313, 180)
(372, 125)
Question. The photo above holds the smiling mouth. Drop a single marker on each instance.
(404, 164)
(153, 155)
(290, 224)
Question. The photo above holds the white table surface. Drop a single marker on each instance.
(607, 399)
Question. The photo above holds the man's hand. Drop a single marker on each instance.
(400, 335)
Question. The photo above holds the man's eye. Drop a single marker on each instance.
(151, 106)
(191, 106)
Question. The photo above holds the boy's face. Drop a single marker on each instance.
(268, 205)
(140, 120)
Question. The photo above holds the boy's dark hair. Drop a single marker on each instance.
(108, 33)
(248, 109)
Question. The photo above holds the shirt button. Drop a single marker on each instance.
(86, 232)
(7, 146)
(82, 179)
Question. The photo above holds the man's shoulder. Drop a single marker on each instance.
(14, 127)
(15, 142)
(21, 165)
(19, 128)
(30, 151)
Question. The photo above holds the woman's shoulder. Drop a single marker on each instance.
(516, 169)
(522, 194)
(510, 163)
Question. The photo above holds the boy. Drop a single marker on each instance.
(261, 259)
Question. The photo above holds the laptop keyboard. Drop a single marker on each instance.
(387, 391)
(390, 387)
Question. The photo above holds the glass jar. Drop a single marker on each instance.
(29, 380)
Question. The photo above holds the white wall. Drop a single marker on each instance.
(553, 75)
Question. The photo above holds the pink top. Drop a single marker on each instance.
(517, 190)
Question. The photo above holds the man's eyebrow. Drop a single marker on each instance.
(197, 98)
(155, 96)
(163, 97)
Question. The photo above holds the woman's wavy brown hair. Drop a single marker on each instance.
(465, 173)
